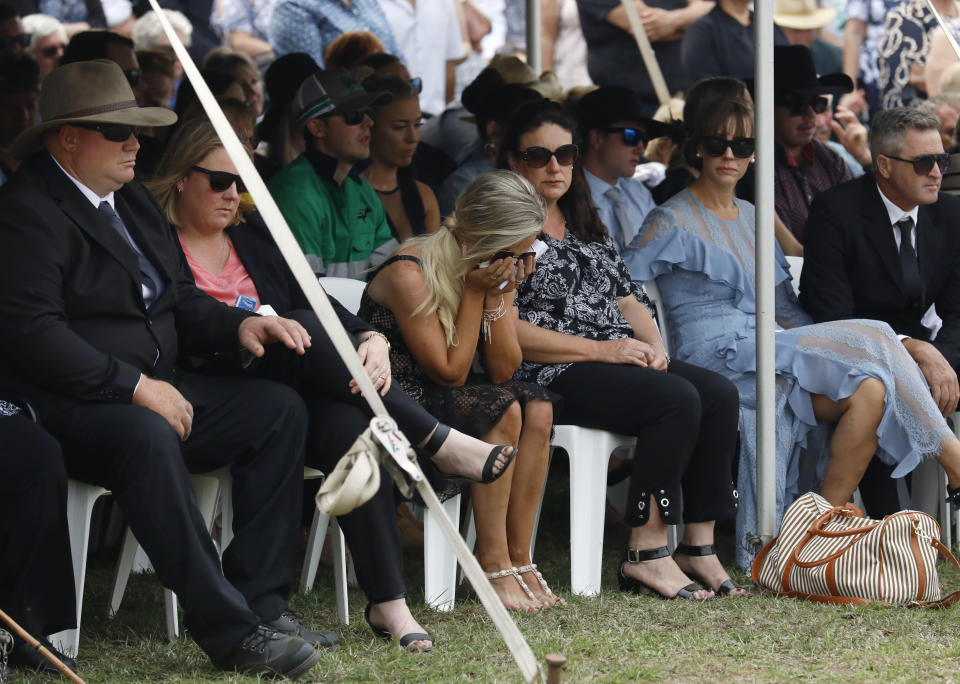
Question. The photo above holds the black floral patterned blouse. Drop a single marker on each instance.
(575, 289)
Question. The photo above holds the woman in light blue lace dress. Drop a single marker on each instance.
(852, 376)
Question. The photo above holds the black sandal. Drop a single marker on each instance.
(953, 497)
(487, 475)
(726, 587)
(635, 586)
(405, 640)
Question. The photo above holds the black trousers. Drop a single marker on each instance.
(256, 426)
(685, 421)
(36, 569)
(337, 417)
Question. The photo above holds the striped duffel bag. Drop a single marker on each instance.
(833, 554)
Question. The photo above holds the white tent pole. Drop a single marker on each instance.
(766, 418)
(533, 35)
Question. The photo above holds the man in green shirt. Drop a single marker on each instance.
(333, 212)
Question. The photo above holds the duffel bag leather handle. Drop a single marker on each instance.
(816, 527)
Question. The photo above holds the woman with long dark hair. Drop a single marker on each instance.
(587, 335)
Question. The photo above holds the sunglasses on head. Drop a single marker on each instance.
(220, 181)
(51, 51)
(538, 157)
(715, 146)
(113, 132)
(923, 164)
(797, 104)
(21, 39)
(417, 84)
(354, 117)
(631, 136)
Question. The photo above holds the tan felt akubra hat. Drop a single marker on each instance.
(87, 92)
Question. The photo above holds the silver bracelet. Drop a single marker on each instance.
(490, 316)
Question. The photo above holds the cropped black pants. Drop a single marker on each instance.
(685, 421)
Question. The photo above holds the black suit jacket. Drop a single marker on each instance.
(851, 267)
(272, 277)
(73, 325)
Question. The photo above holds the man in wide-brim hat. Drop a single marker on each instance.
(804, 166)
(96, 308)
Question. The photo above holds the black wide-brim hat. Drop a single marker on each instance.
(604, 106)
(794, 72)
(281, 81)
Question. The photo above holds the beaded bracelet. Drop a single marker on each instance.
(490, 316)
(378, 334)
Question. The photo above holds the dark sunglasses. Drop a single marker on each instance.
(631, 136)
(52, 51)
(507, 254)
(220, 181)
(923, 164)
(117, 133)
(354, 117)
(417, 84)
(22, 39)
(538, 157)
(797, 105)
(133, 77)
(715, 146)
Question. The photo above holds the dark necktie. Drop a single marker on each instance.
(150, 277)
(908, 262)
(619, 232)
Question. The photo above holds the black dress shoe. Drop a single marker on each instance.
(26, 657)
(267, 651)
(290, 623)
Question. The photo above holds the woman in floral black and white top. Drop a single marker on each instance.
(587, 335)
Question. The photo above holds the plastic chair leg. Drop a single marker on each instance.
(80, 499)
(439, 560)
(340, 572)
(311, 559)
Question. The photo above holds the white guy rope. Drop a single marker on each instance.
(308, 282)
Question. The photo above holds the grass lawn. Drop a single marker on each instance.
(611, 638)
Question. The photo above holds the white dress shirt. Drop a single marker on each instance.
(428, 36)
(931, 321)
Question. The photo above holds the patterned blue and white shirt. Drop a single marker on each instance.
(311, 25)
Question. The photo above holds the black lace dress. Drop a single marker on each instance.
(474, 407)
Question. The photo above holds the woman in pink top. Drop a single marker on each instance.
(236, 261)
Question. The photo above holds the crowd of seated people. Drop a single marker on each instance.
(150, 328)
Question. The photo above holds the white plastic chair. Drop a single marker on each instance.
(589, 453)
(207, 487)
(796, 267)
(80, 499)
(439, 560)
(347, 291)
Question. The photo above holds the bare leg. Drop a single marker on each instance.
(950, 460)
(662, 574)
(464, 455)
(855, 439)
(708, 568)
(529, 474)
(490, 503)
(395, 616)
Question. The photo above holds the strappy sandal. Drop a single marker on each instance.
(487, 475)
(953, 497)
(532, 567)
(726, 587)
(635, 586)
(513, 572)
